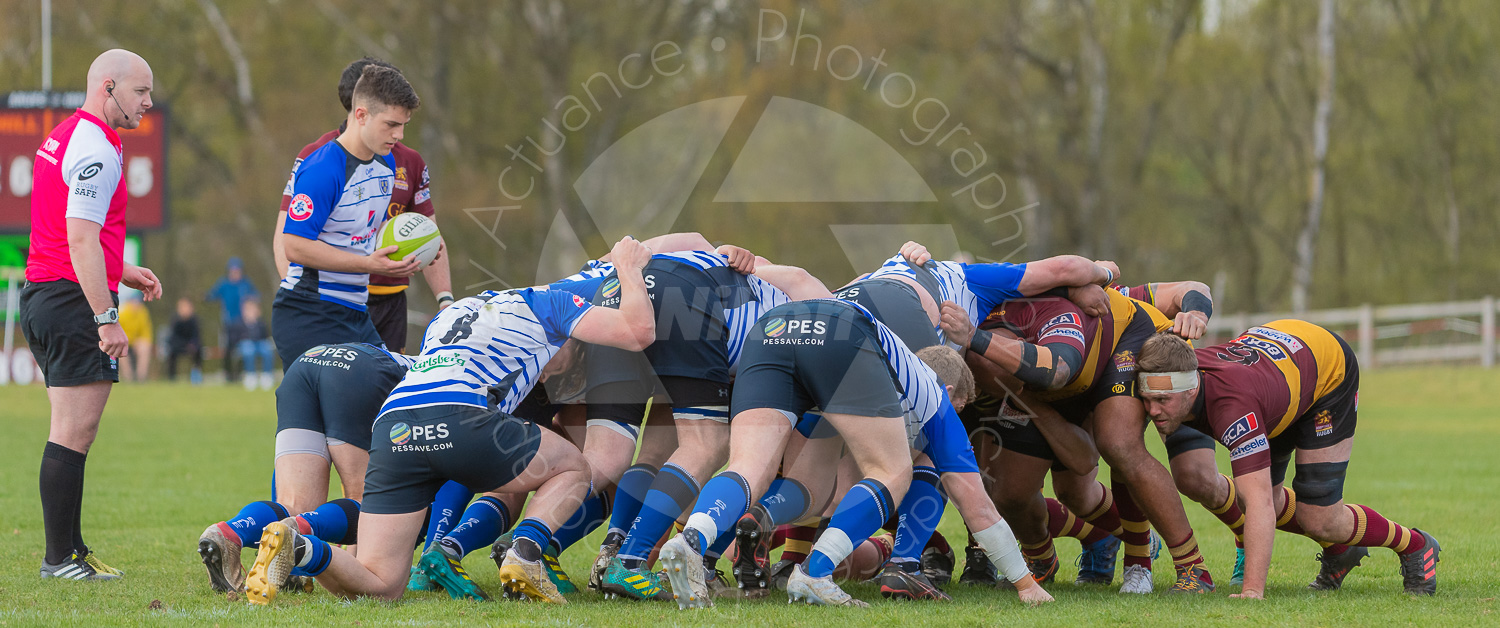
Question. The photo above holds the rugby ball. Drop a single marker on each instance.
(413, 235)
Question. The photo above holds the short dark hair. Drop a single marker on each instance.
(351, 75)
(380, 87)
(1166, 352)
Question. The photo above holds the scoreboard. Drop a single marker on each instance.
(25, 120)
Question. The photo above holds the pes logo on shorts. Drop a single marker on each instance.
(400, 434)
(301, 207)
(611, 288)
(775, 327)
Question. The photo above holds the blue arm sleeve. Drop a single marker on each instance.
(558, 311)
(994, 284)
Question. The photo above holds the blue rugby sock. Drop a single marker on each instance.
(251, 520)
(862, 511)
(724, 500)
(443, 515)
(535, 531)
(313, 556)
(335, 522)
(590, 515)
(919, 514)
(482, 523)
(630, 492)
(671, 494)
(786, 501)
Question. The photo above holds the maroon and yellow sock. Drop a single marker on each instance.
(940, 542)
(1230, 514)
(799, 542)
(1106, 516)
(1186, 554)
(1061, 522)
(1286, 521)
(1373, 530)
(1136, 530)
(1038, 552)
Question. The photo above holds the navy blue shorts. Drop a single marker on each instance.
(815, 354)
(896, 305)
(300, 322)
(414, 451)
(337, 390)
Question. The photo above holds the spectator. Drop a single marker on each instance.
(135, 319)
(185, 339)
(232, 290)
(255, 345)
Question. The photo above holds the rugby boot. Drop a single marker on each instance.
(93, 560)
(1136, 580)
(273, 562)
(1333, 569)
(897, 583)
(978, 571)
(780, 573)
(607, 553)
(1044, 571)
(75, 568)
(638, 584)
(937, 565)
(683, 563)
(1096, 565)
(220, 552)
(418, 581)
(1419, 569)
(719, 584)
(529, 578)
(555, 573)
(752, 561)
(299, 584)
(1192, 579)
(1237, 577)
(801, 587)
(445, 568)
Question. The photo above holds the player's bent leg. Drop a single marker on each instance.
(302, 478)
(381, 569)
(1019, 498)
(559, 476)
(350, 461)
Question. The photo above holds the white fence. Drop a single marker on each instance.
(1389, 335)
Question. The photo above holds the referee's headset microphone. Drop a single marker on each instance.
(110, 89)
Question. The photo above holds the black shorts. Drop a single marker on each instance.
(625, 402)
(1018, 433)
(300, 322)
(388, 315)
(337, 390)
(692, 335)
(414, 451)
(823, 354)
(897, 306)
(60, 329)
(1327, 422)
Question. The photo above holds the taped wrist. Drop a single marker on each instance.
(999, 545)
(1196, 301)
(1044, 375)
(981, 341)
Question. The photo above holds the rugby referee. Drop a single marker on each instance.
(73, 274)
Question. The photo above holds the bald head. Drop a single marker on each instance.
(119, 88)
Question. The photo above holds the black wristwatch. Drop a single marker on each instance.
(109, 317)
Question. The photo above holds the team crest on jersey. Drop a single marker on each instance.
(1323, 423)
(611, 288)
(400, 434)
(301, 207)
(401, 183)
(579, 301)
(1125, 361)
(385, 186)
(775, 327)
(1238, 429)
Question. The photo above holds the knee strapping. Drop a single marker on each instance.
(632, 432)
(295, 440)
(719, 414)
(1320, 483)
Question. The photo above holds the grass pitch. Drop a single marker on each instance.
(170, 459)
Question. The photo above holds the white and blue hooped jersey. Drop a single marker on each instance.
(923, 395)
(340, 201)
(489, 350)
(978, 288)
(743, 318)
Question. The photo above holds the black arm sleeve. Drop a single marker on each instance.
(1196, 301)
(1041, 376)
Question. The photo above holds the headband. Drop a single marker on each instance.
(1171, 382)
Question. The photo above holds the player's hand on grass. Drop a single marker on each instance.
(1249, 595)
(630, 253)
(955, 323)
(141, 278)
(1091, 299)
(915, 253)
(112, 340)
(381, 263)
(1190, 325)
(741, 260)
(1034, 594)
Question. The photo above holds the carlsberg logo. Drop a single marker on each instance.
(441, 360)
